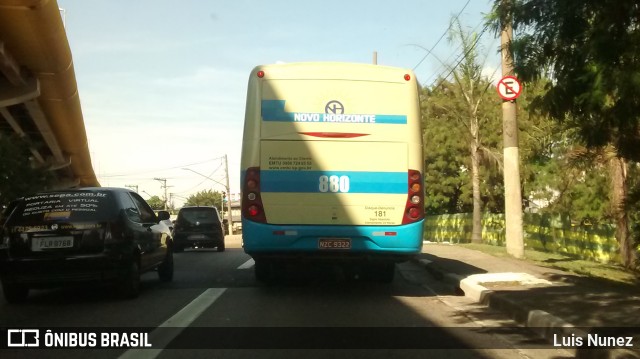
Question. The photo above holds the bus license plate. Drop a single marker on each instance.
(40, 244)
(334, 243)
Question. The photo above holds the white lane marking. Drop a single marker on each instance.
(248, 264)
(161, 338)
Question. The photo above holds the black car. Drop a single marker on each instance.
(77, 236)
(198, 227)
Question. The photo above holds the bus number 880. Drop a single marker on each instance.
(333, 184)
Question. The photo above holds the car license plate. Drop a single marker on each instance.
(195, 237)
(41, 244)
(334, 243)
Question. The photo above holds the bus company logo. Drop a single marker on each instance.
(23, 338)
(334, 107)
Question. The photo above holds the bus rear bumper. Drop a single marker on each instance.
(395, 243)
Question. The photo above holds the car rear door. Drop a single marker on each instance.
(138, 229)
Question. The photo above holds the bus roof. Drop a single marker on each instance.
(334, 70)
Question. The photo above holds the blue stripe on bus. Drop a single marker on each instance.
(273, 110)
(310, 182)
(260, 237)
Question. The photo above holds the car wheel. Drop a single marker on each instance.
(14, 293)
(220, 247)
(129, 286)
(165, 269)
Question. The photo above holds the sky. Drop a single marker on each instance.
(163, 83)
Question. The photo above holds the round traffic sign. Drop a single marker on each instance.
(509, 88)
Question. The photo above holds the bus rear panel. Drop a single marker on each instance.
(332, 163)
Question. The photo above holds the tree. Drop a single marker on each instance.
(590, 49)
(446, 155)
(205, 198)
(156, 203)
(446, 151)
(468, 78)
(18, 176)
(462, 104)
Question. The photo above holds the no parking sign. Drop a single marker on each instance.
(509, 88)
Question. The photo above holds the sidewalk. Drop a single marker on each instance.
(556, 302)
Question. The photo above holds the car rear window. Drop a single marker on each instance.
(202, 215)
(68, 206)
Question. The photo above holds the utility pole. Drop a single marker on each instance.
(132, 186)
(229, 218)
(512, 191)
(164, 186)
(375, 57)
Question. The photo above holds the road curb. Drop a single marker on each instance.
(544, 324)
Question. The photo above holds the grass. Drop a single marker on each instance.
(566, 263)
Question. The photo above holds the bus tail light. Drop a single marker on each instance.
(252, 208)
(414, 209)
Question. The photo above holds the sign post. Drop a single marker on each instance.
(509, 89)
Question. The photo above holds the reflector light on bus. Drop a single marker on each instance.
(385, 234)
(252, 207)
(285, 233)
(414, 209)
(253, 211)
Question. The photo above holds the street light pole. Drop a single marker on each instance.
(229, 218)
(226, 171)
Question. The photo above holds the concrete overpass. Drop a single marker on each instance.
(38, 91)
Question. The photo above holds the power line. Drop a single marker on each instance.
(459, 56)
(464, 55)
(441, 37)
(160, 170)
(198, 185)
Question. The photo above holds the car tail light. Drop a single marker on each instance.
(252, 208)
(414, 209)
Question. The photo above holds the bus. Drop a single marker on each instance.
(332, 167)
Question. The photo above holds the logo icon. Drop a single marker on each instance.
(23, 338)
(54, 226)
(334, 107)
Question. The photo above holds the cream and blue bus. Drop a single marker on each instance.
(332, 166)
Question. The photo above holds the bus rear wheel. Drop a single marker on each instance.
(262, 270)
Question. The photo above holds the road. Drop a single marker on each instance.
(215, 308)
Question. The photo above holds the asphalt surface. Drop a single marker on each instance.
(215, 308)
(591, 318)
